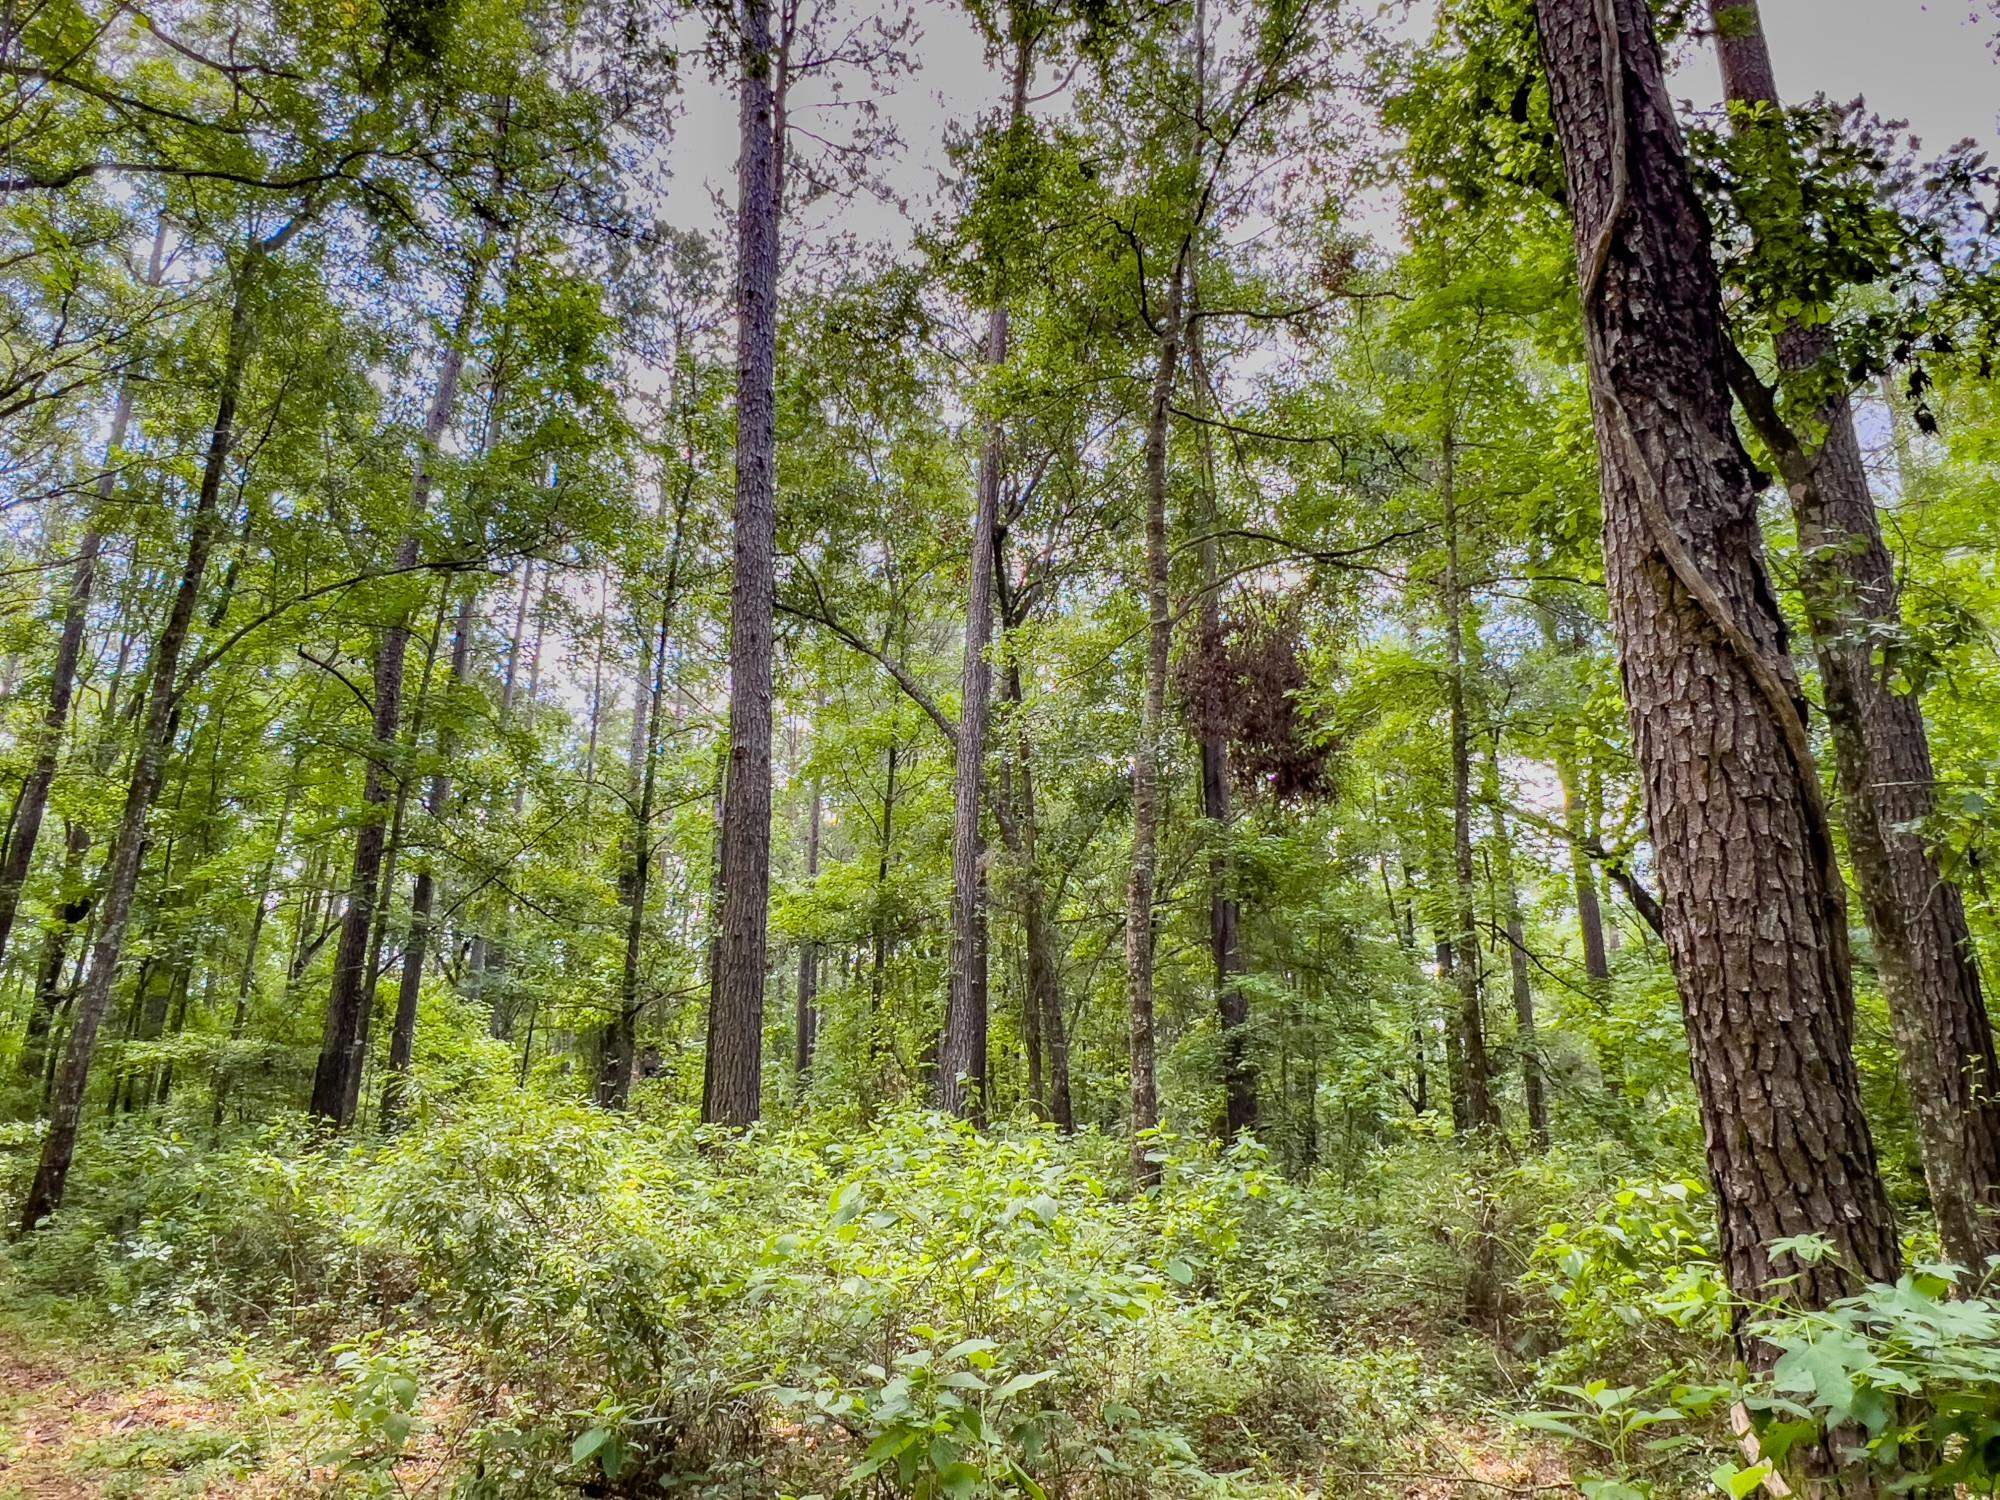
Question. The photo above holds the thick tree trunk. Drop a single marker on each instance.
(344, 1045)
(26, 825)
(1882, 760)
(121, 875)
(1146, 753)
(1755, 920)
(732, 1084)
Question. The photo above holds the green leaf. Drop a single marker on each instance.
(1737, 1483)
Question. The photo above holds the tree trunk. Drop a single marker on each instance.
(878, 974)
(423, 896)
(1534, 1087)
(962, 1047)
(618, 1044)
(1882, 762)
(1232, 1004)
(1755, 919)
(732, 1083)
(26, 825)
(1146, 754)
(344, 1045)
(1481, 1111)
(1044, 974)
(121, 876)
(76, 906)
(806, 1031)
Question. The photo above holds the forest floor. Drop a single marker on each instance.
(86, 1417)
(82, 1417)
(514, 1301)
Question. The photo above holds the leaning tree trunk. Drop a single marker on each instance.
(1882, 760)
(1146, 754)
(1755, 920)
(732, 1083)
(128, 844)
(344, 1046)
(33, 801)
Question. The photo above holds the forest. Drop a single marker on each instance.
(996, 748)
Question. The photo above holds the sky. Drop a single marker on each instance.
(1925, 61)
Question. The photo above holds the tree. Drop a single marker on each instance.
(961, 1071)
(733, 1081)
(1755, 920)
(1882, 755)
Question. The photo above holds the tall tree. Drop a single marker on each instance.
(336, 1091)
(121, 877)
(961, 1070)
(25, 825)
(1882, 754)
(733, 1079)
(1755, 921)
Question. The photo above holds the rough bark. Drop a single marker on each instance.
(732, 1084)
(1883, 767)
(121, 876)
(1755, 920)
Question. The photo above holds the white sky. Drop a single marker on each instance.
(1925, 61)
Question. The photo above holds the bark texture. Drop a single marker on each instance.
(1882, 762)
(732, 1084)
(1754, 915)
